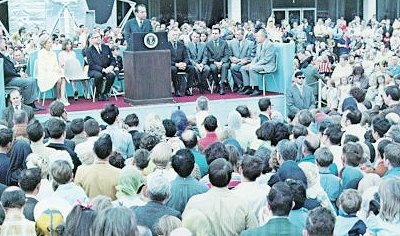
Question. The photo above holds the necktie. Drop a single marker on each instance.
(197, 49)
(175, 46)
(141, 23)
(216, 45)
(99, 49)
(16, 108)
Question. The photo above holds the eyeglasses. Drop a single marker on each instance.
(300, 77)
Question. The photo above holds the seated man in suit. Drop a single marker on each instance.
(180, 62)
(16, 104)
(218, 58)
(26, 84)
(137, 25)
(299, 96)
(242, 50)
(101, 66)
(198, 58)
(280, 202)
(263, 61)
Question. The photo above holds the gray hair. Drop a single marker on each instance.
(389, 192)
(202, 103)
(394, 133)
(158, 187)
(115, 221)
(20, 117)
(323, 156)
(287, 150)
(234, 120)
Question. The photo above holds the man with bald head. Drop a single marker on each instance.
(263, 61)
(310, 145)
(189, 139)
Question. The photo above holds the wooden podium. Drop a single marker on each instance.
(148, 70)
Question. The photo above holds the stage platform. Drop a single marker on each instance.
(220, 106)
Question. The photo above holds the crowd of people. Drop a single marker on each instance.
(333, 170)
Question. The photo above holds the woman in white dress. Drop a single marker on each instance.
(49, 73)
(73, 70)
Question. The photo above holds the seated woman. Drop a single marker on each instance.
(49, 73)
(73, 69)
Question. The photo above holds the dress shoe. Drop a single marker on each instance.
(256, 93)
(201, 90)
(242, 89)
(37, 107)
(76, 95)
(178, 94)
(246, 91)
(250, 91)
(222, 90)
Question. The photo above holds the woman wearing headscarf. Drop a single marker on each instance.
(129, 186)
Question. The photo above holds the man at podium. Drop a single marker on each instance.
(139, 24)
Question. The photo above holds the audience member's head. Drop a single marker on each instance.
(166, 224)
(130, 182)
(57, 109)
(115, 221)
(320, 221)
(148, 141)
(170, 128)
(189, 139)
(333, 135)
(264, 104)
(180, 120)
(35, 131)
(56, 128)
(20, 117)
(77, 126)
(91, 127)
(103, 146)
(389, 192)
(380, 125)
(280, 199)
(183, 162)
(202, 103)
(142, 158)
(132, 120)
(80, 220)
(286, 150)
(352, 154)
(158, 187)
(215, 151)
(161, 154)
(251, 167)
(61, 173)
(243, 111)
(350, 201)
(299, 192)
(6, 137)
(220, 172)
(323, 157)
(210, 123)
(109, 114)
(29, 180)
(13, 198)
(305, 118)
(310, 144)
(392, 155)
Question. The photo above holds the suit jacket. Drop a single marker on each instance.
(179, 54)
(9, 69)
(199, 56)
(224, 210)
(243, 52)
(132, 26)
(279, 226)
(98, 179)
(8, 114)
(97, 61)
(265, 56)
(221, 53)
(297, 102)
(149, 214)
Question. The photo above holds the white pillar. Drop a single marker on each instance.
(235, 10)
(369, 9)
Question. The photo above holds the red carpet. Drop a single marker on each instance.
(87, 105)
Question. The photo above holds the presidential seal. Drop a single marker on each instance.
(150, 40)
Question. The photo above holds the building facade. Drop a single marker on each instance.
(213, 11)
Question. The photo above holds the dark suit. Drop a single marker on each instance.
(179, 54)
(297, 101)
(97, 62)
(279, 226)
(8, 114)
(218, 52)
(132, 26)
(149, 214)
(198, 55)
(27, 86)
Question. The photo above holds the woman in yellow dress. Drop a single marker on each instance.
(49, 73)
